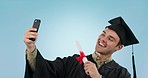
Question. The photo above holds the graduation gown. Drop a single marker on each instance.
(69, 67)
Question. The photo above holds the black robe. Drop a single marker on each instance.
(69, 67)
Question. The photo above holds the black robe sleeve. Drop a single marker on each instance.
(67, 67)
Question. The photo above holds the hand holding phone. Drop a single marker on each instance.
(36, 25)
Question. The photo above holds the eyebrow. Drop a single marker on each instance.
(104, 32)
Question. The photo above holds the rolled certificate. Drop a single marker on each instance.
(82, 55)
(84, 59)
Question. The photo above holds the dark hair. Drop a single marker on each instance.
(119, 43)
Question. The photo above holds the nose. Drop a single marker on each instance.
(103, 39)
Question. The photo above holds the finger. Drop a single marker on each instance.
(86, 68)
(27, 36)
(32, 30)
(28, 41)
(87, 62)
(30, 34)
(31, 37)
(87, 72)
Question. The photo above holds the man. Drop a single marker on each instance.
(99, 65)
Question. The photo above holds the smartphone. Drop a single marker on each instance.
(36, 24)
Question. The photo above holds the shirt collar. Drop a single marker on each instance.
(98, 60)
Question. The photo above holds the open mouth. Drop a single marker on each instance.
(101, 44)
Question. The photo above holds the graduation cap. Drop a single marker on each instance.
(125, 34)
(123, 31)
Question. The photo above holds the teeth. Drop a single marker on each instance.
(101, 44)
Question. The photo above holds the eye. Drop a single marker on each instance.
(110, 39)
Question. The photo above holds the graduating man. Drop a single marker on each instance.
(99, 65)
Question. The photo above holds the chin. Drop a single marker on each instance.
(99, 50)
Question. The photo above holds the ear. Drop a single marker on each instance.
(119, 47)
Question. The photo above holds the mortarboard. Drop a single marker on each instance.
(123, 31)
(125, 34)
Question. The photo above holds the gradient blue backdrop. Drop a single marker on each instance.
(64, 22)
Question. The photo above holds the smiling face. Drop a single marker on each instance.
(107, 42)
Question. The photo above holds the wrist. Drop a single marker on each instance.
(31, 55)
(30, 50)
(97, 76)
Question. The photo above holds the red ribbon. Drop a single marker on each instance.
(80, 58)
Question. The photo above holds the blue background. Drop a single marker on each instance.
(64, 22)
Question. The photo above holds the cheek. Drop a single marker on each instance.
(111, 47)
(100, 37)
(111, 44)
